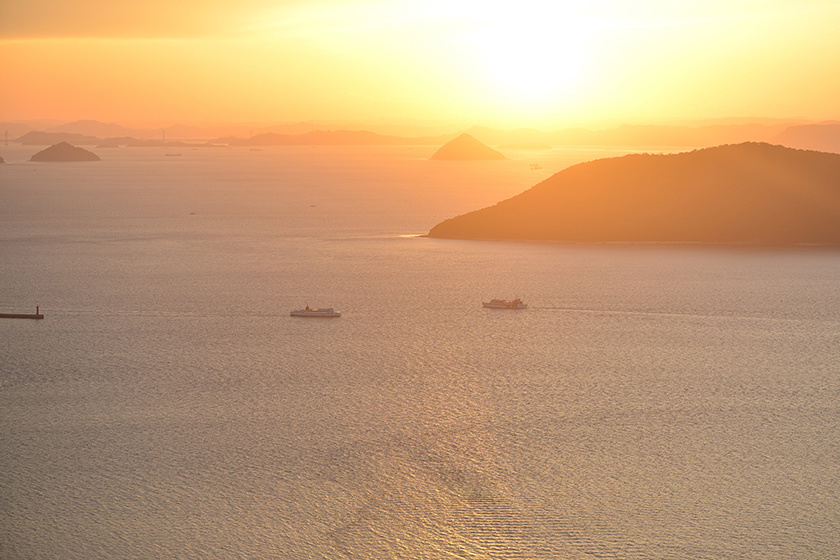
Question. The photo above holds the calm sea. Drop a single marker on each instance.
(654, 402)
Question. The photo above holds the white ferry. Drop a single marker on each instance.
(505, 304)
(315, 312)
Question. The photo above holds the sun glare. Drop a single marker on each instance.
(531, 52)
(481, 60)
(528, 61)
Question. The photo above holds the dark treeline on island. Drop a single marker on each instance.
(750, 193)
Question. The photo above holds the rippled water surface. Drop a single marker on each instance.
(653, 402)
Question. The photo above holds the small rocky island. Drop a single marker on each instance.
(466, 147)
(63, 152)
(750, 193)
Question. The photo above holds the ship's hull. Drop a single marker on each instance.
(323, 315)
(496, 306)
(505, 304)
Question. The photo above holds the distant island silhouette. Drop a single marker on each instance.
(49, 138)
(39, 138)
(750, 193)
(466, 147)
(526, 146)
(333, 138)
(64, 152)
(823, 136)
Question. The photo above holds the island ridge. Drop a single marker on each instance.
(751, 193)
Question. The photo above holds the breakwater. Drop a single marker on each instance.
(36, 315)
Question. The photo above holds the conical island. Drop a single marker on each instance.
(749, 193)
(64, 152)
(465, 147)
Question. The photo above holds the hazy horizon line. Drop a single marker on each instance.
(420, 124)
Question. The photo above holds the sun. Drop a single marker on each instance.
(529, 57)
(531, 68)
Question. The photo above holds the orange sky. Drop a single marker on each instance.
(507, 64)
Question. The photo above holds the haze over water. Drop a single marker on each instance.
(653, 402)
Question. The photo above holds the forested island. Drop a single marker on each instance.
(64, 152)
(750, 193)
(466, 147)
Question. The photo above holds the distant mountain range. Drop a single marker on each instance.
(820, 136)
(749, 193)
(824, 137)
(333, 138)
(97, 129)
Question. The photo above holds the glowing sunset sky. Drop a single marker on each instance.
(522, 63)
